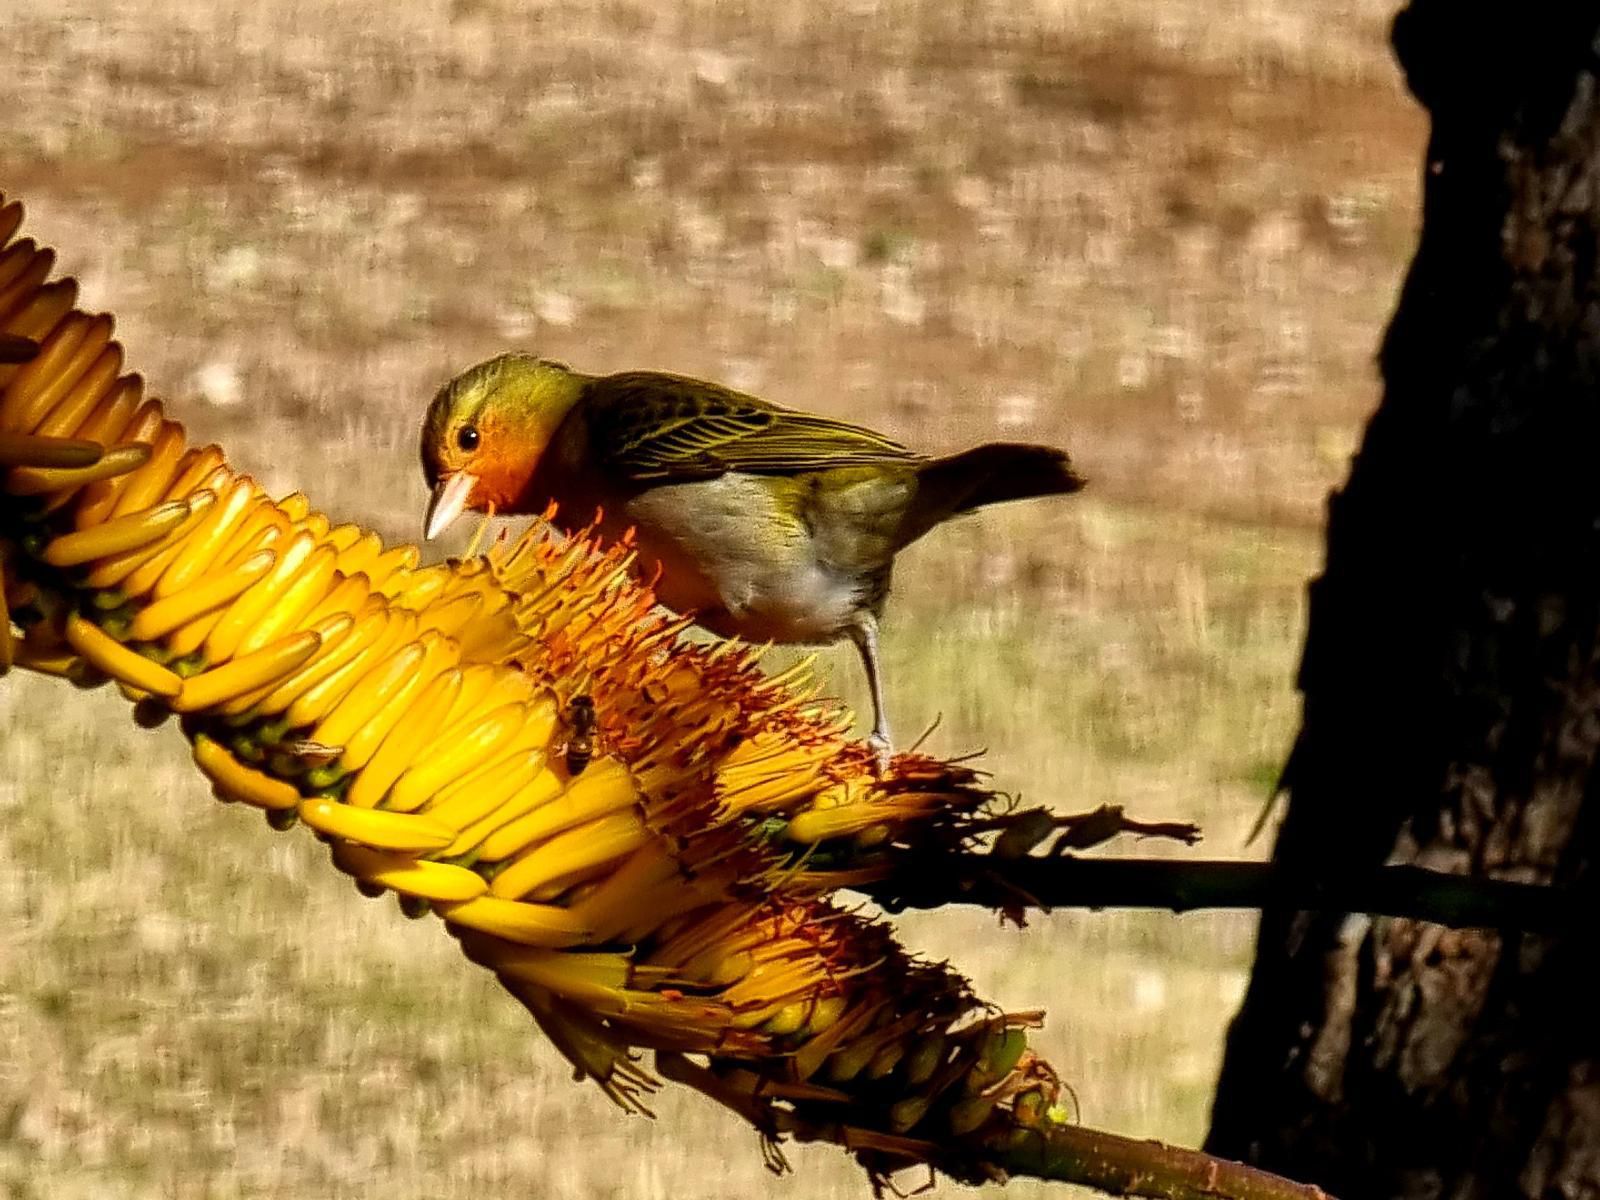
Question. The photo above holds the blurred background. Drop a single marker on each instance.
(1165, 236)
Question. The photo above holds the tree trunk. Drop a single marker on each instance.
(1450, 674)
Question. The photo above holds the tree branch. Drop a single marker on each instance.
(1122, 1166)
(1067, 881)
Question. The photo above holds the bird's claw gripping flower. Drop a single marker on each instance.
(671, 897)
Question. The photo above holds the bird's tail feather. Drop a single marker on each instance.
(1000, 471)
(987, 474)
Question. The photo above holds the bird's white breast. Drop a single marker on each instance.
(732, 556)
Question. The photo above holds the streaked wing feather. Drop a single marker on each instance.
(645, 425)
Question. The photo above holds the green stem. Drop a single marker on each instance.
(930, 880)
(1121, 1166)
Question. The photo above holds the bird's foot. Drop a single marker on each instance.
(882, 750)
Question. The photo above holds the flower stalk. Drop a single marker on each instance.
(665, 889)
(1185, 885)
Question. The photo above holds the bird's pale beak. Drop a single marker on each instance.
(448, 501)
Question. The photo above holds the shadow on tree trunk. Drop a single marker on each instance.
(1450, 674)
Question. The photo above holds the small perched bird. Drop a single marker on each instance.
(766, 523)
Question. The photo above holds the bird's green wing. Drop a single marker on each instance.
(645, 425)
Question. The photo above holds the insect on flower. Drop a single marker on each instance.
(581, 722)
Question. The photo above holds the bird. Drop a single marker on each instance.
(757, 521)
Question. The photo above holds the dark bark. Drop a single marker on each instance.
(1450, 677)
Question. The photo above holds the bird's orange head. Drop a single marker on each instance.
(486, 431)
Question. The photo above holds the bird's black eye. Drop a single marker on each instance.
(467, 437)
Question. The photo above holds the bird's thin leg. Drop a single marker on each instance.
(864, 633)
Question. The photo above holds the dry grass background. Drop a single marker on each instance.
(1166, 236)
